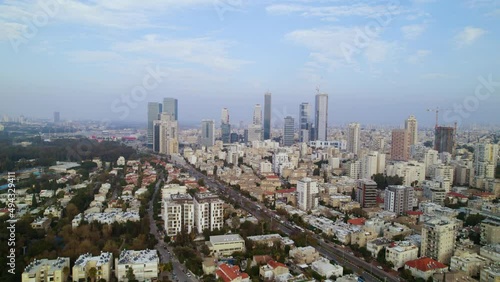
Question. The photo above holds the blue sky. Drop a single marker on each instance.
(379, 61)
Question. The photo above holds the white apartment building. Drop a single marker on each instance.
(469, 263)
(371, 164)
(410, 171)
(144, 265)
(307, 194)
(103, 265)
(225, 245)
(398, 253)
(56, 270)
(439, 237)
(208, 212)
(178, 214)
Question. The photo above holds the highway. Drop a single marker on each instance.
(343, 257)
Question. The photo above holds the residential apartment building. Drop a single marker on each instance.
(439, 237)
(398, 199)
(490, 230)
(208, 212)
(366, 193)
(307, 194)
(225, 245)
(103, 264)
(398, 253)
(144, 264)
(178, 214)
(44, 270)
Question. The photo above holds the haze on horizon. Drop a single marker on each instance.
(379, 61)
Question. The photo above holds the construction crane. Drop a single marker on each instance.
(436, 110)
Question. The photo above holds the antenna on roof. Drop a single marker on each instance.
(317, 89)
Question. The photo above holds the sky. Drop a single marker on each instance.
(379, 61)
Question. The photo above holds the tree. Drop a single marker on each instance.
(353, 194)
(473, 220)
(201, 182)
(93, 273)
(381, 256)
(130, 274)
(428, 144)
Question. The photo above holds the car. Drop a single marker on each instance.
(380, 267)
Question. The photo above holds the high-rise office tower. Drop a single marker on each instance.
(154, 110)
(207, 133)
(411, 125)
(57, 117)
(398, 199)
(444, 140)
(366, 193)
(257, 115)
(400, 150)
(224, 116)
(321, 117)
(267, 116)
(165, 139)
(225, 126)
(170, 107)
(305, 124)
(288, 131)
(307, 194)
(353, 143)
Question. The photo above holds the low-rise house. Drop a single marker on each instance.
(425, 267)
(324, 268)
(398, 253)
(304, 255)
(231, 274)
(272, 269)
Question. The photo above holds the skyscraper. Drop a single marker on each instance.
(307, 194)
(321, 117)
(400, 150)
(398, 199)
(165, 139)
(444, 140)
(225, 127)
(288, 131)
(267, 116)
(57, 117)
(304, 120)
(411, 125)
(170, 107)
(207, 133)
(353, 143)
(257, 115)
(485, 160)
(154, 110)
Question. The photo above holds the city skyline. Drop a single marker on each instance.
(411, 59)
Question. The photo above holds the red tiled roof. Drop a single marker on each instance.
(274, 264)
(414, 212)
(457, 195)
(425, 264)
(357, 221)
(262, 259)
(230, 273)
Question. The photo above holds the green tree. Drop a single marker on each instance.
(130, 274)
(473, 220)
(201, 182)
(93, 273)
(381, 256)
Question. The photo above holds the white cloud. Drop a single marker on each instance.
(204, 51)
(469, 35)
(9, 31)
(418, 56)
(413, 31)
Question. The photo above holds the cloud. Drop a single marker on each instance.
(331, 13)
(469, 35)
(413, 31)
(418, 56)
(204, 51)
(86, 56)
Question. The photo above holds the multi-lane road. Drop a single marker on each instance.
(370, 272)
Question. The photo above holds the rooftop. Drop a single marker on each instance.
(225, 238)
(426, 264)
(138, 257)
